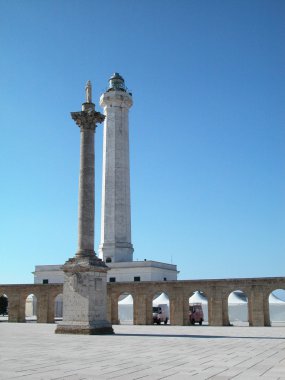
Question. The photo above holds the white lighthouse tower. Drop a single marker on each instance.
(116, 243)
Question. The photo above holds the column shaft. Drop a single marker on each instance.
(86, 207)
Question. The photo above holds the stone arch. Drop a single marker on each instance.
(160, 307)
(58, 307)
(198, 298)
(4, 307)
(31, 308)
(238, 307)
(125, 302)
(276, 307)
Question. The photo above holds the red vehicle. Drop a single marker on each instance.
(196, 314)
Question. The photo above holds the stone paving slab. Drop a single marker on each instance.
(33, 351)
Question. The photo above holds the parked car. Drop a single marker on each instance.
(196, 314)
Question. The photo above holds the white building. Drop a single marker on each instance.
(48, 274)
(146, 270)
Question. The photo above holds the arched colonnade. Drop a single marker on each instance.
(45, 295)
(216, 292)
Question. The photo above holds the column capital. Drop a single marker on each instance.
(87, 119)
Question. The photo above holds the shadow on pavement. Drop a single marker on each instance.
(201, 336)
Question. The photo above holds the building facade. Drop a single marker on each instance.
(119, 272)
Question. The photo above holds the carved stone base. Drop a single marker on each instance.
(102, 328)
(85, 297)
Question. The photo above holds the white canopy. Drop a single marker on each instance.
(237, 297)
(127, 300)
(274, 299)
(125, 310)
(161, 300)
(198, 297)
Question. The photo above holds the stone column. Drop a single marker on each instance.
(186, 310)
(14, 299)
(149, 318)
(115, 244)
(140, 308)
(85, 275)
(176, 308)
(266, 311)
(114, 310)
(86, 207)
(225, 309)
(42, 307)
(215, 307)
(255, 306)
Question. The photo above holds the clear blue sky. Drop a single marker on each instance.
(207, 130)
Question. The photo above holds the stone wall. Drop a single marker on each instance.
(216, 291)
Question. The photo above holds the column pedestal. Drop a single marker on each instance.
(84, 302)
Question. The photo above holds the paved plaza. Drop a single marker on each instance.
(34, 351)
